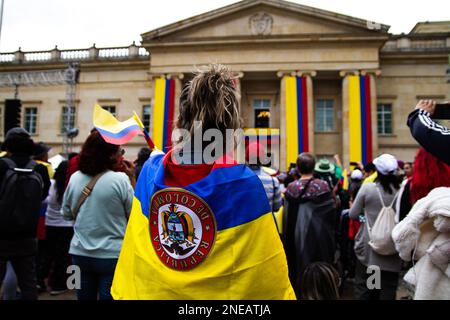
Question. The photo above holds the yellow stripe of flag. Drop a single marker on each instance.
(158, 112)
(291, 121)
(354, 118)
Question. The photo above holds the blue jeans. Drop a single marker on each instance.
(10, 283)
(96, 277)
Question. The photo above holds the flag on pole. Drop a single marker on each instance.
(211, 239)
(113, 130)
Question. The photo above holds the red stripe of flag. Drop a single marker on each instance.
(170, 114)
(368, 120)
(305, 116)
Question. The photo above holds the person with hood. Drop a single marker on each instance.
(371, 199)
(23, 185)
(310, 220)
(424, 236)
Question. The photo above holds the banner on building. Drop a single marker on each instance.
(360, 119)
(163, 113)
(297, 131)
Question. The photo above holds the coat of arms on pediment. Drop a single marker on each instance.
(261, 24)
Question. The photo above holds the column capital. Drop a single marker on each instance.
(152, 76)
(372, 72)
(310, 73)
(289, 73)
(179, 76)
(283, 73)
(344, 73)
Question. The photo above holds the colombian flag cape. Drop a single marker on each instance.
(212, 239)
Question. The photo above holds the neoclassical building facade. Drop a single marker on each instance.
(264, 42)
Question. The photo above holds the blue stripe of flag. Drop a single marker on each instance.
(119, 134)
(166, 115)
(299, 115)
(362, 85)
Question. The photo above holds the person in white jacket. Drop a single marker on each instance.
(424, 236)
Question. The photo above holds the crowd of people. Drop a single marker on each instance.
(392, 215)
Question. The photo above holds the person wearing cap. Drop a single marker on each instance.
(356, 179)
(325, 170)
(41, 151)
(368, 200)
(21, 249)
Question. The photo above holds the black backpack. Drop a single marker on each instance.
(20, 200)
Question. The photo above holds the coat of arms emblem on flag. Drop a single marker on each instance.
(182, 228)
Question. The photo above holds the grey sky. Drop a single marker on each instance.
(42, 24)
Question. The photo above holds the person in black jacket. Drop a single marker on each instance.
(308, 237)
(431, 136)
(19, 245)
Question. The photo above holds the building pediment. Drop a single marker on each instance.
(263, 20)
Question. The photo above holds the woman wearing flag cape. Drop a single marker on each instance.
(201, 229)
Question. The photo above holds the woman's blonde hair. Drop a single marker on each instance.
(210, 97)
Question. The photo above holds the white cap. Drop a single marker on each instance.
(356, 175)
(386, 164)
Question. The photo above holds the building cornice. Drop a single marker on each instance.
(324, 38)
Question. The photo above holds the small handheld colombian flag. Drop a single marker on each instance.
(211, 239)
(113, 130)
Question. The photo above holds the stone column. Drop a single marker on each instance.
(373, 74)
(178, 87)
(283, 146)
(283, 156)
(345, 112)
(239, 153)
(178, 83)
(311, 112)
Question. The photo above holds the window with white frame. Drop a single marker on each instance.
(324, 115)
(384, 115)
(67, 118)
(30, 119)
(146, 116)
(110, 109)
(261, 111)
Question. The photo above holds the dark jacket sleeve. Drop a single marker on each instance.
(43, 172)
(431, 136)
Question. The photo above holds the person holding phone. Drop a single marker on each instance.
(432, 136)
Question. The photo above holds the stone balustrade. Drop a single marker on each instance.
(56, 55)
(406, 43)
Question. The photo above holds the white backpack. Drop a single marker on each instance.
(380, 233)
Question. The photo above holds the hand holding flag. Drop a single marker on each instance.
(117, 132)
